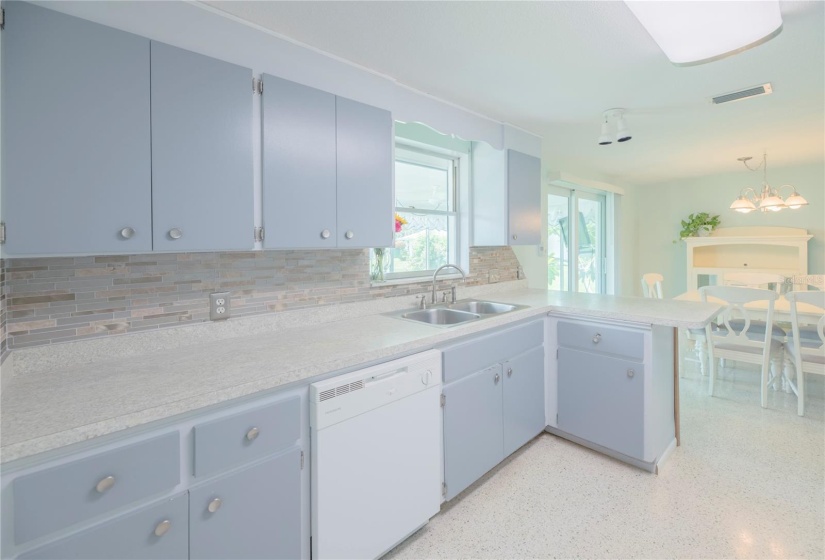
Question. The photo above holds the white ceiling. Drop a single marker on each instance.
(554, 67)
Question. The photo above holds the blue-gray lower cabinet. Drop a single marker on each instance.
(523, 399)
(76, 135)
(254, 513)
(157, 532)
(602, 400)
(202, 186)
(473, 428)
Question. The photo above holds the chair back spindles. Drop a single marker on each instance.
(652, 285)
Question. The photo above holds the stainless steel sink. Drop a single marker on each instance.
(483, 307)
(440, 316)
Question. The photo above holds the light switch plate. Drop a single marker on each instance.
(219, 306)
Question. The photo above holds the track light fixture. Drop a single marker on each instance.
(622, 130)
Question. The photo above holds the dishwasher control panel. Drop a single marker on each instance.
(344, 396)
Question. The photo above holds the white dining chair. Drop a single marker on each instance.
(805, 348)
(652, 285)
(735, 337)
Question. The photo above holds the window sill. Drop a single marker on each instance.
(414, 280)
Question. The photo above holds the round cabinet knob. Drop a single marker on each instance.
(515, 236)
(496, 378)
(105, 484)
(163, 527)
(127, 233)
(509, 372)
(349, 235)
(214, 505)
(175, 233)
(325, 234)
(630, 373)
(597, 338)
(252, 434)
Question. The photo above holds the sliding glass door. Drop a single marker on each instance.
(576, 241)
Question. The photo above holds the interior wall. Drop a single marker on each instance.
(659, 209)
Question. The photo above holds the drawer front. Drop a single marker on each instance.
(130, 536)
(60, 496)
(247, 436)
(469, 357)
(595, 337)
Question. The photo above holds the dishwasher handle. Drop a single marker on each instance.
(386, 376)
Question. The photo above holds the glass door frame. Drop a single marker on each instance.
(572, 272)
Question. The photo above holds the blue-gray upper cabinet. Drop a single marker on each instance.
(327, 169)
(506, 197)
(158, 532)
(254, 513)
(365, 175)
(76, 140)
(202, 185)
(299, 185)
(523, 399)
(523, 198)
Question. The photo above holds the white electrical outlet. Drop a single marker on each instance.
(219, 306)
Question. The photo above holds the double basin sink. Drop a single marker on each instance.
(450, 314)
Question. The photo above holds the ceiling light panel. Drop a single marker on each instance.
(691, 32)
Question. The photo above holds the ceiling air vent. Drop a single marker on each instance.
(764, 89)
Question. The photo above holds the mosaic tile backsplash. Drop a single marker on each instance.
(59, 299)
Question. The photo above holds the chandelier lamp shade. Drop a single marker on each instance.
(767, 199)
(622, 132)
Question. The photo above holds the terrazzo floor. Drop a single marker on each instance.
(746, 482)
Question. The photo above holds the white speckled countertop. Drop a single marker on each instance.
(57, 395)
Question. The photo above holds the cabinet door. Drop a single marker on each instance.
(365, 175)
(157, 532)
(524, 198)
(299, 185)
(76, 144)
(473, 439)
(523, 399)
(601, 400)
(202, 187)
(254, 513)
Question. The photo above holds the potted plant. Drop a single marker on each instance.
(700, 224)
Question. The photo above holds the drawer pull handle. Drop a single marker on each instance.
(597, 338)
(163, 527)
(105, 484)
(252, 434)
(631, 373)
(509, 372)
(214, 505)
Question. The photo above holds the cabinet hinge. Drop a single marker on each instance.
(302, 460)
(259, 234)
(2, 18)
(557, 353)
(444, 489)
(257, 86)
(2, 232)
(443, 399)
(557, 419)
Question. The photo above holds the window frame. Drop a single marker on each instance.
(429, 157)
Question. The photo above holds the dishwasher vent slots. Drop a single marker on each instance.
(340, 390)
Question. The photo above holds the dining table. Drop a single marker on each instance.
(757, 309)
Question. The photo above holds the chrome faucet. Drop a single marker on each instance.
(440, 268)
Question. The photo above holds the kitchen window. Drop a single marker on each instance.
(427, 198)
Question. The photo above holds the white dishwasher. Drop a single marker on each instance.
(376, 456)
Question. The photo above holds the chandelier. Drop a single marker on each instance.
(768, 199)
